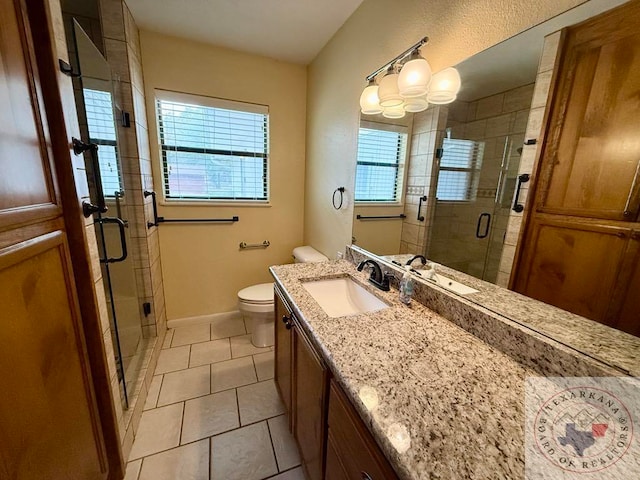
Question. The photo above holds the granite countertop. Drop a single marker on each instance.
(608, 345)
(442, 404)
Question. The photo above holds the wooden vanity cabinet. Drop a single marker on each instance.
(333, 441)
(302, 379)
(283, 353)
(352, 453)
(310, 382)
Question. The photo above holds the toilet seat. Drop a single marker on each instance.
(261, 294)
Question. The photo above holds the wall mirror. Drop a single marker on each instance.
(452, 196)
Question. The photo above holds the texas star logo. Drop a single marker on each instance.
(583, 429)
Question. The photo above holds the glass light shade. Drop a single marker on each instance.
(388, 91)
(416, 104)
(414, 78)
(444, 87)
(397, 111)
(369, 101)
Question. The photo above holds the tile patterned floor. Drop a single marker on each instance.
(212, 411)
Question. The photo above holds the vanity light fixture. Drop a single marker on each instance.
(408, 85)
(445, 86)
(415, 76)
(369, 100)
(388, 90)
(397, 111)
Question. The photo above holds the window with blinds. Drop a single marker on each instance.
(459, 171)
(379, 169)
(102, 131)
(213, 149)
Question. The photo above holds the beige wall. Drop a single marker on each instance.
(202, 266)
(375, 33)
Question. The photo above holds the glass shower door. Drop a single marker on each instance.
(96, 112)
(475, 186)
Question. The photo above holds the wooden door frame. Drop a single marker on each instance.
(58, 112)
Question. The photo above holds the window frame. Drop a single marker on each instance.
(400, 165)
(211, 102)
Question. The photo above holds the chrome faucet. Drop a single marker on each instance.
(421, 257)
(377, 278)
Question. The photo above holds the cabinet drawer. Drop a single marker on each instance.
(356, 449)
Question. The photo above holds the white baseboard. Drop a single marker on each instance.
(187, 321)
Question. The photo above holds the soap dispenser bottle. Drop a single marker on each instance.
(406, 286)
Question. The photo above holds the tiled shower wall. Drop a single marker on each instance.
(421, 180)
(530, 153)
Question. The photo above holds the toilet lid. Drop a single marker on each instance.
(262, 293)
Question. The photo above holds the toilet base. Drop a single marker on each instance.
(262, 328)
(262, 333)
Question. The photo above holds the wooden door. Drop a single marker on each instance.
(283, 353)
(309, 404)
(49, 423)
(586, 190)
(624, 313)
(572, 264)
(591, 161)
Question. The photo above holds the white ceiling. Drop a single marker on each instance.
(514, 62)
(289, 30)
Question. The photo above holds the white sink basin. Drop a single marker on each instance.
(452, 285)
(340, 297)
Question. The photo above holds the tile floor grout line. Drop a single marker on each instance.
(238, 410)
(139, 470)
(210, 442)
(155, 404)
(284, 471)
(211, 393)
(273, 448)
(172, 448)
(184, 407)
(211, 363)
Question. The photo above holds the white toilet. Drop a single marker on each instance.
(256, 302)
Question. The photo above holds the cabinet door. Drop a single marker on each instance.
(310, 387)
(283, 354)
(334, 469)
(625, 312)
(356, 449)
(590, 160)
(572, 265)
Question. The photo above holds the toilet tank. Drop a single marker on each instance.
(307, 254)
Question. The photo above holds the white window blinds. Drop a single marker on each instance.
(381, 153)
(102, 131)
(213, 149)
(460, 166)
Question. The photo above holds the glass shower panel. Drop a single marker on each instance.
(475, 186)
(97, 121)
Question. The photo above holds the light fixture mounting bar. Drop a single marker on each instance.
(408, 51)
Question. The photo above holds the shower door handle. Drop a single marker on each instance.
(486, 228)
(123, 239)
(88, 208)
(422, 199)
(518, 207)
